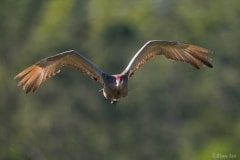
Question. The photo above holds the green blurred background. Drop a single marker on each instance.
(173, 111)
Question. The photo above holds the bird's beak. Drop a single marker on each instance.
(118, 82)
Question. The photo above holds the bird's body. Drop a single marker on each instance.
(114, 86)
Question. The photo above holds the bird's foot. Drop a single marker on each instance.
(114, 101)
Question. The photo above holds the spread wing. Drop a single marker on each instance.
(195, 55)
(33, 76)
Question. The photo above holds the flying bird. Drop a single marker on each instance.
(114, 86)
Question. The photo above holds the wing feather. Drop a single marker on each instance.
(195, 55)
(33, 76)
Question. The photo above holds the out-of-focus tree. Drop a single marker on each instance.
(172, 112)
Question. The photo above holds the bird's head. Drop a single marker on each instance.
(120, 79)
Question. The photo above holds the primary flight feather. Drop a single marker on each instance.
(115, 86)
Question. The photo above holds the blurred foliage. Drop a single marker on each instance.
(175, 112)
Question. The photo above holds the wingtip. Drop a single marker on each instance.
(207, 63)
(210, 65)
(15, 77)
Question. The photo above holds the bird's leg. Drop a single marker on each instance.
(113, 101)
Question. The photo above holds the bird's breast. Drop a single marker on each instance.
(115, 92)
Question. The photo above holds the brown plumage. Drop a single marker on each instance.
(115, 86)
(37, 73)
(195, 55)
